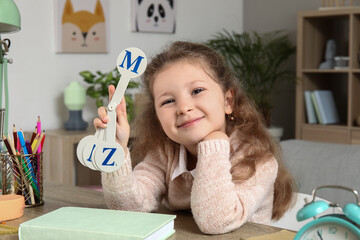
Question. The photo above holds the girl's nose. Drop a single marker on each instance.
(184, 107)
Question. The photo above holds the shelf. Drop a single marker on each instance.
(326, 70)
(325, 133)
(326, 127)
(315, 29)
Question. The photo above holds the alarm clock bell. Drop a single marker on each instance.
(332, 226)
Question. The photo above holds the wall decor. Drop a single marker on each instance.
(81, 26)
(153, 16)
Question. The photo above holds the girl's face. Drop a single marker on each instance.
(189, 103)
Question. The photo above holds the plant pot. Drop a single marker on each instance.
(276, 132)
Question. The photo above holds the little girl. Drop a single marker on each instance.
(203, 143)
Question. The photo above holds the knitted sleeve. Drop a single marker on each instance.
(140, 189)
(218, 204)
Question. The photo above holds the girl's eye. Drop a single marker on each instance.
(167, 102)
(197, 91)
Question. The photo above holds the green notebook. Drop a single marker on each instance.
(91, 223)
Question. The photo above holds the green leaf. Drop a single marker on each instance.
(133, 84)
(258, 60)
(100, 79)
(98, 88)
(88, 76)
(99, 102)
(109, 77)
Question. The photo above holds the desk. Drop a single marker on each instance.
(59, 195)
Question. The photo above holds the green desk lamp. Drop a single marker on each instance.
(9, 22)
(75, 99)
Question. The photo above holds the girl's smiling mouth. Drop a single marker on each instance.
(190, 122)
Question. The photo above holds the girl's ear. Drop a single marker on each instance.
(229, 101)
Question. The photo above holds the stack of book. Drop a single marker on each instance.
(321, 107)
(69, 223)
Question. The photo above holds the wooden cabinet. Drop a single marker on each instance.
(60, 161)
(315, 28)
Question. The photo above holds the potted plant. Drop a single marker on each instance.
(258, 61)
(98, 88)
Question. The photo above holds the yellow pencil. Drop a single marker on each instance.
(36, 139)
(38, 142)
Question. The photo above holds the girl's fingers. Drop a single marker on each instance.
(121, 111)
(102, 119)
(98, 123)
(111, 90)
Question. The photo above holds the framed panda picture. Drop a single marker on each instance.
(157, 16)
(81, 26)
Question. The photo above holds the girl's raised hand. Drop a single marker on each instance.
(122, 124)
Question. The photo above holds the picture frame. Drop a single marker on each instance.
(81, 26)
(154, 16)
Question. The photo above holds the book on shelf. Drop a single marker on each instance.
(310, 109)
(316, 108)
(325, 107)
(91, 223)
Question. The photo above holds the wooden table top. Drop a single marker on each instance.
(59, 195)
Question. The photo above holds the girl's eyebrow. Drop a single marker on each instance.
(162, 95)
(190, 84)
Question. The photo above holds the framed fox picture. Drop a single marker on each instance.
(153, 16)
(81, 26)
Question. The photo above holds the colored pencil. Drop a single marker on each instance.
(15, 136)
(38, 125)
(39, 141)
(11, 143)
(28, 147)
(27, 164)
(34, 143)
(42, 141)
(18, 145)
(33, 135)
(7, 144)
(27, 186)
(15, 162)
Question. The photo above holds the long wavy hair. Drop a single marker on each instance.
(246, 122)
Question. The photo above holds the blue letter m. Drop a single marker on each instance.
(129, 63)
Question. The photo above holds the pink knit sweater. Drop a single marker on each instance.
(217, 203)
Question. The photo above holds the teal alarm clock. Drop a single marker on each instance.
(333, 226)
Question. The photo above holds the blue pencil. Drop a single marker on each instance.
(28, 165)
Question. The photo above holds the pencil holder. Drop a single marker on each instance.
(22, 175)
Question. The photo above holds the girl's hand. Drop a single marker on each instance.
(122, 124)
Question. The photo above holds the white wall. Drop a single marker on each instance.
(38, 75)
(262, 16)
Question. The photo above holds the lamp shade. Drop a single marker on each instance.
(74, 96)
(9, 17)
